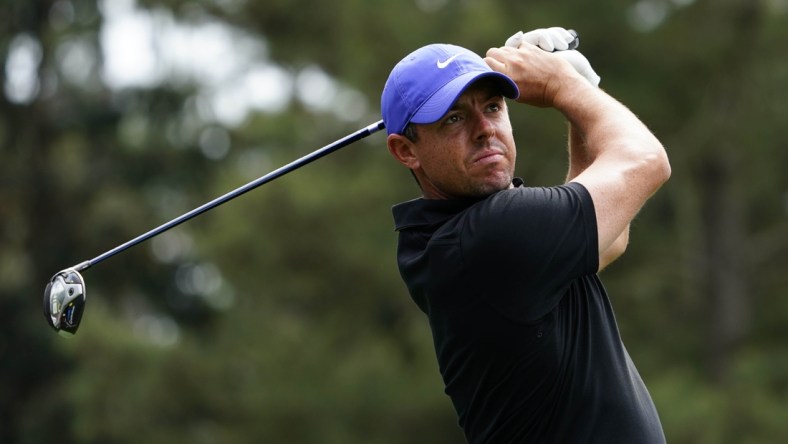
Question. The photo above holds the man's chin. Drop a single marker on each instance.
(493, 186)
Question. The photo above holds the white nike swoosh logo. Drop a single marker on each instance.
(446, 62)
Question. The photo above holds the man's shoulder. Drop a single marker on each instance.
(430, 213)
(528, 200)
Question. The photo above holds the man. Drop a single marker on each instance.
(524, 333)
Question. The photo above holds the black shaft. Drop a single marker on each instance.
(298, 163)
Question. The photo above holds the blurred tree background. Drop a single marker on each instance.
(280, 317)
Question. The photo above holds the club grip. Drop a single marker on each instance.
(576, 42)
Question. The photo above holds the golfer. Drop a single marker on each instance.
(524, 333)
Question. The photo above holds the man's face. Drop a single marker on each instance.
(470, 151)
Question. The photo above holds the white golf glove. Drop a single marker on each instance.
(556, 40)
(549, 39)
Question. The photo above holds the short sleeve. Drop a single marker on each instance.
(528, 245)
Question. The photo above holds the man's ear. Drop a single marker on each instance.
(402, 149)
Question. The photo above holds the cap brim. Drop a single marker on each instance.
(443, 99)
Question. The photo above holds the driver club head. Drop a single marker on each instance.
(64, 301)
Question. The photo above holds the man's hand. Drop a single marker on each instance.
(556, 40)
(540, 75)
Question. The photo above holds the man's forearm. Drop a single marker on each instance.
(599, 124)
(578, 156)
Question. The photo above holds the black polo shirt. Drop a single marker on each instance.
(526, 340)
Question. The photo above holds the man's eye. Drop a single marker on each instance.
(453, 118)
(495, 107)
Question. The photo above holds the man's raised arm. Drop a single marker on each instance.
(626, 163)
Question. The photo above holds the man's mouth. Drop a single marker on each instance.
(488, 156)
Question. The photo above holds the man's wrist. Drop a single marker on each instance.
(572, 92)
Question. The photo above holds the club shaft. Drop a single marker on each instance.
(298, 163)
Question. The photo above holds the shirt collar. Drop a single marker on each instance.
(431, 212)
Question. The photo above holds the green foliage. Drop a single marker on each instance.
(280, 317)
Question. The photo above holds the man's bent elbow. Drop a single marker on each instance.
(665, 166)
(658, 167)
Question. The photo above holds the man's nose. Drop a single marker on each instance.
(484, 127)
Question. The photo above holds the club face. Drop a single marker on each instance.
(64, 301)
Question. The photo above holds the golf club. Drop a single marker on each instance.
(64, 296)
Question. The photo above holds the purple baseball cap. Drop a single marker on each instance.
(425, 84)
